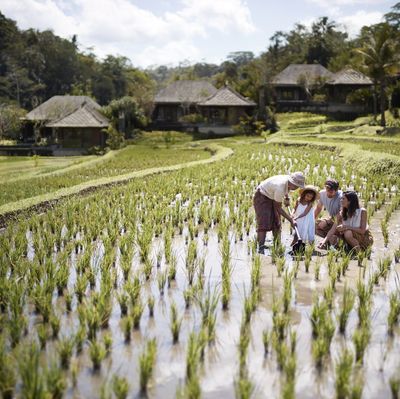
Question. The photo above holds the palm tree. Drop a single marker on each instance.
(380, 58)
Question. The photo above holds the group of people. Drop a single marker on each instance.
(345, 219)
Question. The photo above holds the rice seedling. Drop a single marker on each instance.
(394, 311)
(55, 381)
(348, 298)
(385, 232)
(133, 288)
(361, 339)
(343, 369)
(320, 350)
(287, 291)
(309, 250)
(123, 298)
(55, 324)
(108, 341)
(136, 314)
(384, 266)
(126, 266)
(225, 293)
(188, 295)
(80, 287)
(296, 267)
(146, 363)
(150, 304)
(289, 369)
(80, 337)
(244, 388)
(394, 383)
(8, 376)
(120, 387)
(65, 347)
(30, 372)
(126, 326)
(147, 268)
(317, 268)
(266, 337)
(208, 308)
(277, 250)
(161, 280)
(172, 268)
(280, 265)
(344, 265)
(68, 297)
(92, 318)
(396, 255)
(97, 353)
(43, 335)
(144, 238)
(176, 323)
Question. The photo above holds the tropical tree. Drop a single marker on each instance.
(125, 115)
(380, 57)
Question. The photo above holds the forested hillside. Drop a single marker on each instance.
(35, 65)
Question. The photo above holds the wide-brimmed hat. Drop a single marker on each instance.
(311, 188)
(297, 178)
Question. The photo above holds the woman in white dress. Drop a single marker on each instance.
(304, 213)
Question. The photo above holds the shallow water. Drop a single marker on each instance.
(220, 368)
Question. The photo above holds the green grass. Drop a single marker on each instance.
(17, 168)
(130, 159)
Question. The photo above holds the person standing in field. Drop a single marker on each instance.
(329, 199)
(267, 202)
(351, 224)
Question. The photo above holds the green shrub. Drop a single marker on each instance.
(193, 118)
(115, 139)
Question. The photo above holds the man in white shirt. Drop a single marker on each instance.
(329, 199)
(267, 203)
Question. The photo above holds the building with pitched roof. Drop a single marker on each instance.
(68, 121)
(218, 109)
(295, 87)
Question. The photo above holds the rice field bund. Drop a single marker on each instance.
(154, 288)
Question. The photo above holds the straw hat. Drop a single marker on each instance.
(310, 188)
(297, 178)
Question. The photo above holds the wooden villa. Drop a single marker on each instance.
(313, 88)
(178, 99)
(67, 122)
(215, 110)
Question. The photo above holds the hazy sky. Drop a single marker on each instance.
(155, 32)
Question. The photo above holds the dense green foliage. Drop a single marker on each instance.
(35, 66)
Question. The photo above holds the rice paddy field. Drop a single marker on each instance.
(155, 289)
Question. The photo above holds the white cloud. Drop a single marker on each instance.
(353, 23)
(121, 27)
(332, 3)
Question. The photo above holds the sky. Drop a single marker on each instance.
(170, 32)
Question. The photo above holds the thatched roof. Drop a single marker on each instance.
(59, 106)
(185, 91)
(227, 97)
(349, 76)
(294, 73)
(81, 117)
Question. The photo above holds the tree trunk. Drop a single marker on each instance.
(375, 101)
(383, 103)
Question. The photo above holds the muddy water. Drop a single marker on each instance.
(220, 369)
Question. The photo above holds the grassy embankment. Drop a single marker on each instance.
(361, 145)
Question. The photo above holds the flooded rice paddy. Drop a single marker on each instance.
(240, 334)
